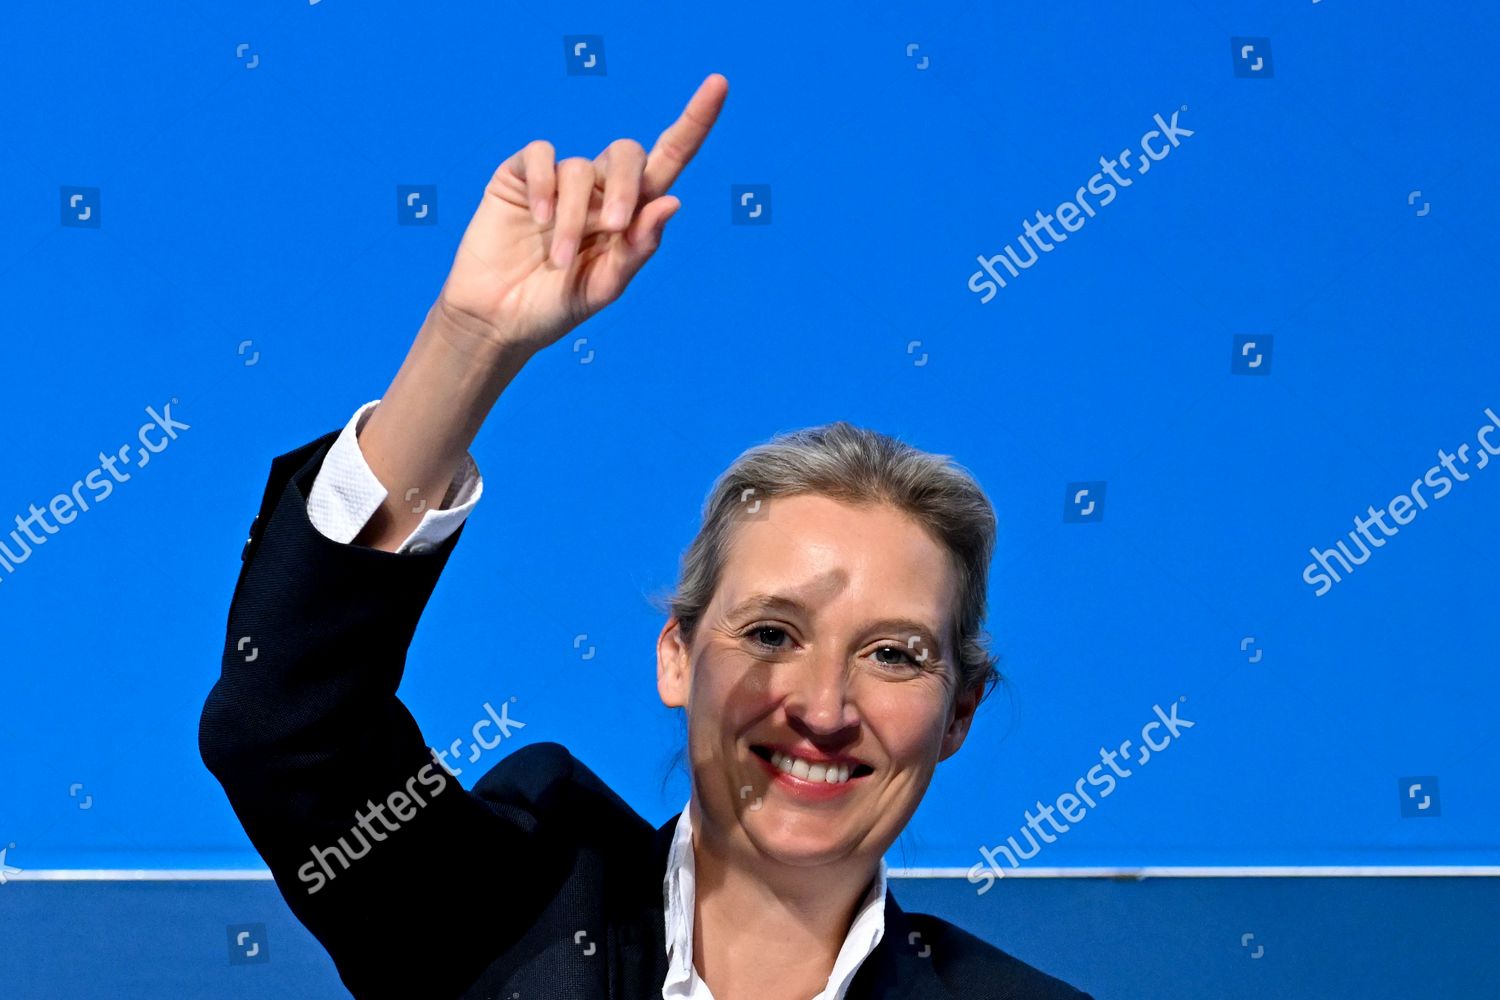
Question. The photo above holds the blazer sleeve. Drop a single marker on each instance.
(411, 883)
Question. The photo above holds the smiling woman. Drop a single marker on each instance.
(824, 643)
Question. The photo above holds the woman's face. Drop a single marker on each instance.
(829, 641)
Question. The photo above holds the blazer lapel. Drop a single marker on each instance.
(900, 967)
(656, 912)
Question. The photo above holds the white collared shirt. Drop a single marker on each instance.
(346, 493)
(678, 888)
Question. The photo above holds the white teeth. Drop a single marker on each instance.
(833, 774)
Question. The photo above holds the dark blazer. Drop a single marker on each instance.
(541, 882)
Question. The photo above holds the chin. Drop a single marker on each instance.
(792, 837)
(801, 854)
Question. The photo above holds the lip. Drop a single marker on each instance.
(802, 790)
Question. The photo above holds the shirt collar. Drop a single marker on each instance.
(678, 895)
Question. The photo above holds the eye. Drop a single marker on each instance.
(904, 657)
(759, 633)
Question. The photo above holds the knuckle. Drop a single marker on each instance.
(575, 171)
(539, 146)
(628, 149)
(540, 181)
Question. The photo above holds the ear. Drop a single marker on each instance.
(674, 672)
(958, 726)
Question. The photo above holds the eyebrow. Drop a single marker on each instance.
(777, 602)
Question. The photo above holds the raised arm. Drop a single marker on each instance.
(550, 244)
(414, 885)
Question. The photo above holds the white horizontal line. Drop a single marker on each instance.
(1214, 871)
(140, 875)
(1225, 871)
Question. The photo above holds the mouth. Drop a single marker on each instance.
(802, 771)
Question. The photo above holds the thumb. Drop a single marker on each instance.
(626, 257)
(645, 234)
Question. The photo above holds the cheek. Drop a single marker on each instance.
(908, 724)
(729, 693)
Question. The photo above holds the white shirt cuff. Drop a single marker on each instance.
(346, 494)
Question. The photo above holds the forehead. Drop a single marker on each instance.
(825, 553)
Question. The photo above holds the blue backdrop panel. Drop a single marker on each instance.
(1166, 939)
(1276, 326)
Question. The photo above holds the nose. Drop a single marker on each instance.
(820, 696)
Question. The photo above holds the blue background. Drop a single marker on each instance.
(259, 205)
(1162, 939)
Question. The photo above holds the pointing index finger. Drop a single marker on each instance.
(681, 140)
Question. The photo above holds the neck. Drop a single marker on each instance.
(744, 912)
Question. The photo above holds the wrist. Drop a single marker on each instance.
(468, 335)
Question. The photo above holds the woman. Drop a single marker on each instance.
(824, 643)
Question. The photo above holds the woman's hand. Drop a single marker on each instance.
(552, 243)
(549, 246)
